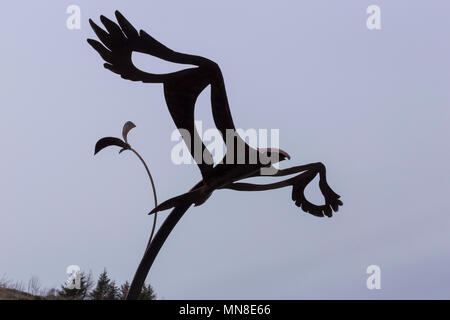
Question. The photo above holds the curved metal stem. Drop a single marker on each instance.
(154, 194)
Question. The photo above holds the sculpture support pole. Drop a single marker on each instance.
(153, 249)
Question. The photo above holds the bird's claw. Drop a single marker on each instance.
(332, 201)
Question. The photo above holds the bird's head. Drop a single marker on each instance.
(274, 155)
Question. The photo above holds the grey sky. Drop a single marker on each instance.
(372, 105)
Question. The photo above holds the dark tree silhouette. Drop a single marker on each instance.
(78, 294)
(147, 293)
(105, 288)
(124, 289)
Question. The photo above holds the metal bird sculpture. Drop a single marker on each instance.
(181, 89)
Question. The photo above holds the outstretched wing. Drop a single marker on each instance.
(181, 89)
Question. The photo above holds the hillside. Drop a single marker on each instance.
(12, 294)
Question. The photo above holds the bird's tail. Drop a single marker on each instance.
(196, 197)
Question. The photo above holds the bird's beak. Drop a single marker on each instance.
(284, 153)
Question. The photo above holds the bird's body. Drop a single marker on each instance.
(181, 90)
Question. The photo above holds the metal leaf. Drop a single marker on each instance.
(110, 141)
(126, 128)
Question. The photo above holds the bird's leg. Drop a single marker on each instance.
(319, 167)
(299, 184)
(296, 169)
(311, 170)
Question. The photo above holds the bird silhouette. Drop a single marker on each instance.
(181, 90)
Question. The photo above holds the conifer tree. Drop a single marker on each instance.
(103, 290)
(112, 292)
(124, 288)
(77, 294)
(147, 293)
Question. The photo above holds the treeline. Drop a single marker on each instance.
(103, 289)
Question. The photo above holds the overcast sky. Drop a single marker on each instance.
(373, 106)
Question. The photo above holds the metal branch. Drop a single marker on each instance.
(154, 193)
